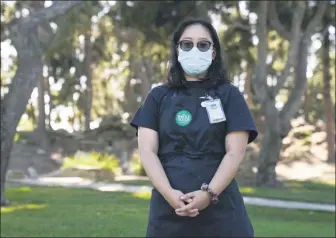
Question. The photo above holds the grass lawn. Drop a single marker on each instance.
(307, 191)
(64, 212)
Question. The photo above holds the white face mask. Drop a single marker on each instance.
(195, 62)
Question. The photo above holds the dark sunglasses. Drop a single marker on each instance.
(187, 45)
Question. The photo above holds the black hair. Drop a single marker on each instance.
(216, 72)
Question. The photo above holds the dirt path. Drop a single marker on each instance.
(313, 169)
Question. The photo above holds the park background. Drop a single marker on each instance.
(73, 73)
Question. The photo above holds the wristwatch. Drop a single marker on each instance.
(214, 196)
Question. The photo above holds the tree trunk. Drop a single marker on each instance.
(270, 147)
(247, 86)
(41, 134)
(307, 105)
(328, 107)
(14, 103)
(51, 105)
(31, 113)
(277, 124)
(294, 100)
(24, 36)
(88, 74)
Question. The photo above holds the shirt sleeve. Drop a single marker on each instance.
(148, 113)
(239, 117)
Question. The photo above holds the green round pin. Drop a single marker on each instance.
(183, 118)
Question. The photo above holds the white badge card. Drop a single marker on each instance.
(215, 111)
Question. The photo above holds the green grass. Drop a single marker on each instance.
(307, 191)
(136, 182)
(64, 212)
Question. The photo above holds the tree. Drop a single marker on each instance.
(328, 107)
(237, 44)
(277, 122)
(329, 113)
(76, 59)
(148, 38)
(88, 73)
(319, 101)
(41, 134)
(26, 36)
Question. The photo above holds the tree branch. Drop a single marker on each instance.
(321, 9)
(293, 47)
(294, 100)
(259, 83)
(241, 26)
(4, 32)
(61, 24)
(325, 30)
(45, 14)
(238, 10)
(274, 57)
(275, 21)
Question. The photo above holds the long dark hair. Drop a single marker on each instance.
(216, 72)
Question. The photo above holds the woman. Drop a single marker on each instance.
(192, 136)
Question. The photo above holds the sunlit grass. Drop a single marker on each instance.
(143, 195)
(24, 189)
(22, 207)
(66, 212)
(247, 190)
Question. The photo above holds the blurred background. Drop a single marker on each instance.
(73, 73)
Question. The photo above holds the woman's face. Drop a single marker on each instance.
(197, 34)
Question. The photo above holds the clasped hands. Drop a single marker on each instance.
(189, 204)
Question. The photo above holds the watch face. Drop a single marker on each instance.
(204, 187)
(215, 200)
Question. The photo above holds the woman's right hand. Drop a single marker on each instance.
(173, 197)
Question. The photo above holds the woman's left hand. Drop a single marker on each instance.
(197, 200)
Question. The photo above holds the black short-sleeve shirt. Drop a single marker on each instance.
(238, 115)
(148, 114)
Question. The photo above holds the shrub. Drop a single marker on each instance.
(136, 165)
(94, 159)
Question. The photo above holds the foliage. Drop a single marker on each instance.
(112, 63)
(93, 159)
(161, 18)
(136, 166)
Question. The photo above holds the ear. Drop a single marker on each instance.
(213, 54)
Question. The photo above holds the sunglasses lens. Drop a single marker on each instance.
(186, 45)
(203, 45)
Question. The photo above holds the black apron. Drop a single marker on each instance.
(190, 155)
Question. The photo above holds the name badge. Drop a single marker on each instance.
(215, 110)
